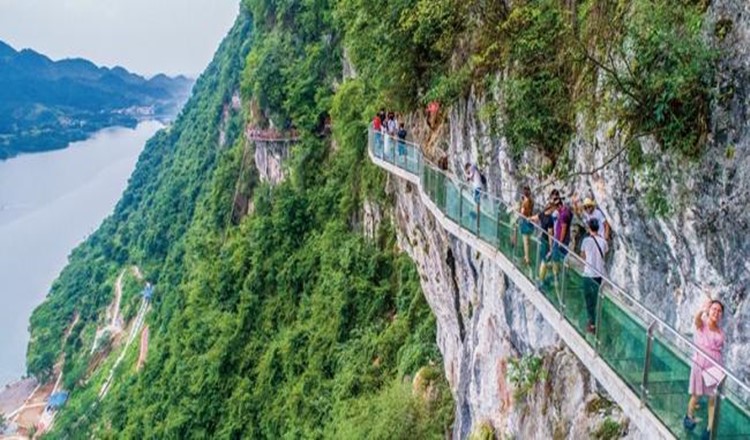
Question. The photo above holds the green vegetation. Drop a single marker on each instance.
(644, 63)
(524, 373)
(538, 95)
(665, 87)
(483, 431)
(288, 322)
(284, 323)
(131, 295)
(609, 430)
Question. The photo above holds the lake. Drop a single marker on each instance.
(49, 203)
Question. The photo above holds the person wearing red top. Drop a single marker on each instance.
(377, 127)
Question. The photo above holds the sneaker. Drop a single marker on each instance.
(689, 423)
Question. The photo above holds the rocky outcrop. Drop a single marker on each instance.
(269, 160)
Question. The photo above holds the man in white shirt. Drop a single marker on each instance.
(590, 210)
(475, 177)
(593, 250)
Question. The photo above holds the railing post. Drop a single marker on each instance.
(460, 206)
(558, 280)
(497, 230)
(598, 324)
(647, 363)
(717, 404)
(538, 261)
(479, 212)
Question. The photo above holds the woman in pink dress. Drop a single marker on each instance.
(709, 338)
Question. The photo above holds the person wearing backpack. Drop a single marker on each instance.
(593, 250)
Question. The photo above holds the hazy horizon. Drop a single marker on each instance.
(147, 38)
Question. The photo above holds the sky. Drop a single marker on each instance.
(144, 36)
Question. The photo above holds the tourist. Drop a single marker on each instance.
(562, 231)
(475, 177)
(546, 223)
(705, 377)
(593, 250)
(526, 209)
(377, 127)
(589, 210)
(401, 140)
(391, 126)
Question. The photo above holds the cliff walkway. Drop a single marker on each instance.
(638, 358)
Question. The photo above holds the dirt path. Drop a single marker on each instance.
(137, 273)
(144, 348)
(114, 313)
(114, 326)
(133, 332)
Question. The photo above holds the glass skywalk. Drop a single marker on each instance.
(651, 357)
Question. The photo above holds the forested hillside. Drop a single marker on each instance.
(288, 320)
(285, 323)
(47, 104)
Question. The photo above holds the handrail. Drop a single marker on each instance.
(619, 290)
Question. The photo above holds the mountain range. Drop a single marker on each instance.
(46, 104)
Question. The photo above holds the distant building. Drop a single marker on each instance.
(57, 400)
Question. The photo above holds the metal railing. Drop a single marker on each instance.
(649, 355)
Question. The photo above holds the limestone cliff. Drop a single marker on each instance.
(668, 262)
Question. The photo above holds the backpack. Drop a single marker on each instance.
(482, 178)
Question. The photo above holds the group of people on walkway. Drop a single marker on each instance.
(582, 227)
(386, 126)
(557, 225)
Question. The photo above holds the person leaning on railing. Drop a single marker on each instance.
(704, 375)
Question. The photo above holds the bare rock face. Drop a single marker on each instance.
(269, 160)
(669, 262)
(484, 323)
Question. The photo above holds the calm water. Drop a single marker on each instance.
(49, 202)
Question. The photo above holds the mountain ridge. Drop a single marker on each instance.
(46, 104)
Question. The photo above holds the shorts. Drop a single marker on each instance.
(558, 253)
(526, 227)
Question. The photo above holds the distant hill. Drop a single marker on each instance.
(47, 104)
